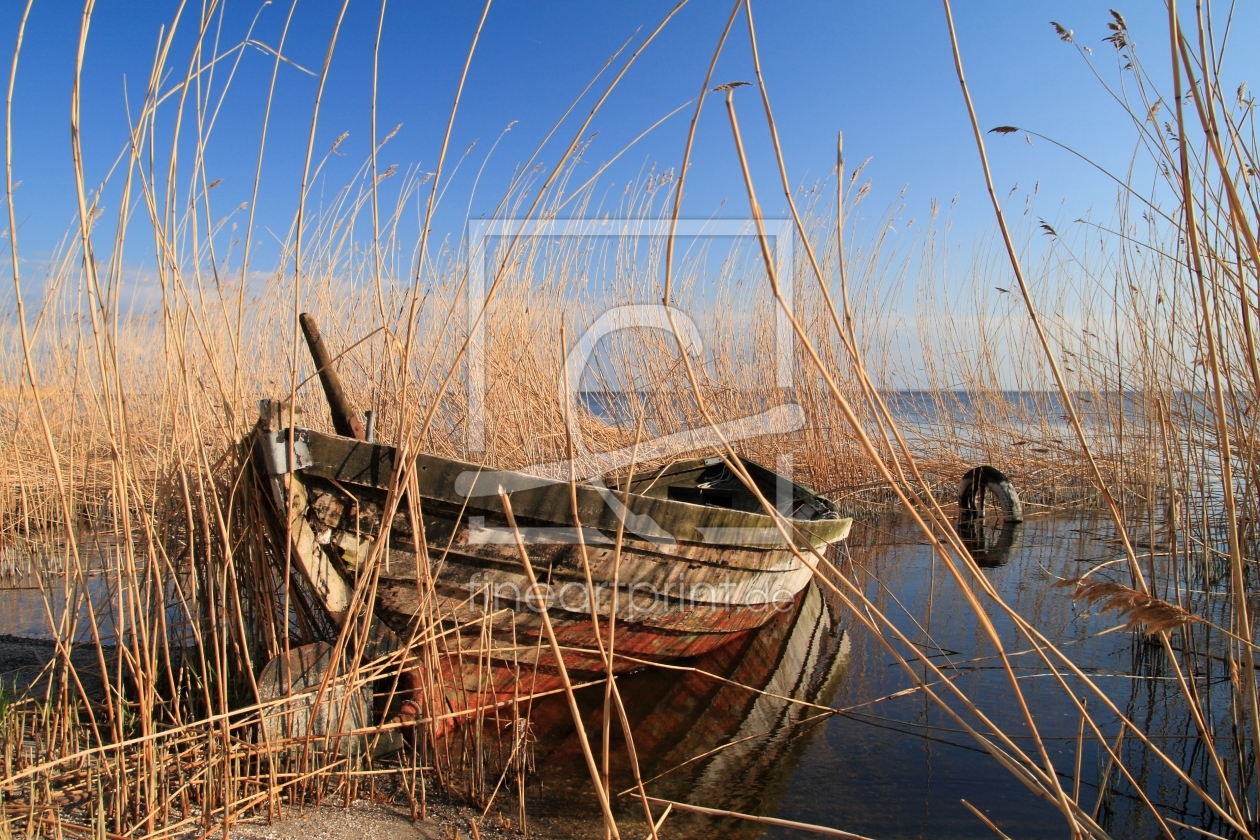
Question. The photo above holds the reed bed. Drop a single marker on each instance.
(1126, 382)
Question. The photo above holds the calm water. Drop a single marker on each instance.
(896, 767)
(885, 767)
(26, 612)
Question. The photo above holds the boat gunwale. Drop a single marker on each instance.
(818, 532)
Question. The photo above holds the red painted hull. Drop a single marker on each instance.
(484, 673)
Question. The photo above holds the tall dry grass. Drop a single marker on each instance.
(132, 501)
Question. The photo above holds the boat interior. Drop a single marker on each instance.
(710, 482)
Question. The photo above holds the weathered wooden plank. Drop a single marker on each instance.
(350, 461)
(667, 635)
(541, 500)
(352, 523)
(345, 418)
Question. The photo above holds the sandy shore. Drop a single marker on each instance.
(365, 820)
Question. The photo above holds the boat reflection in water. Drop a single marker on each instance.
(682, 719)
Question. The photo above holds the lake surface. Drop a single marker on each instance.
(896, 767)
(866, 753)
(30, 610)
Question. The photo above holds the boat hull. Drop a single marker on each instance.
(664, 578)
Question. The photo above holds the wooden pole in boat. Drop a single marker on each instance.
(345, 419)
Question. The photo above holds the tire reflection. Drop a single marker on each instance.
(988, 539)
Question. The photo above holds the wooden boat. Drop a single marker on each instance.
(698, 561)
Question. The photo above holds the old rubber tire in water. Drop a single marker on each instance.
(984, 485)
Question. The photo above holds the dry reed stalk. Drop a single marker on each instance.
(988, 822)
(1082, 709)
(609, 822)
(799, 826)
(1213, 365)
(1049, 774)
(126, 451)
(606, 652)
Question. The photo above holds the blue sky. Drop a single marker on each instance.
(881, 72)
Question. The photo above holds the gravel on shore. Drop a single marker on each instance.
(367, 820)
